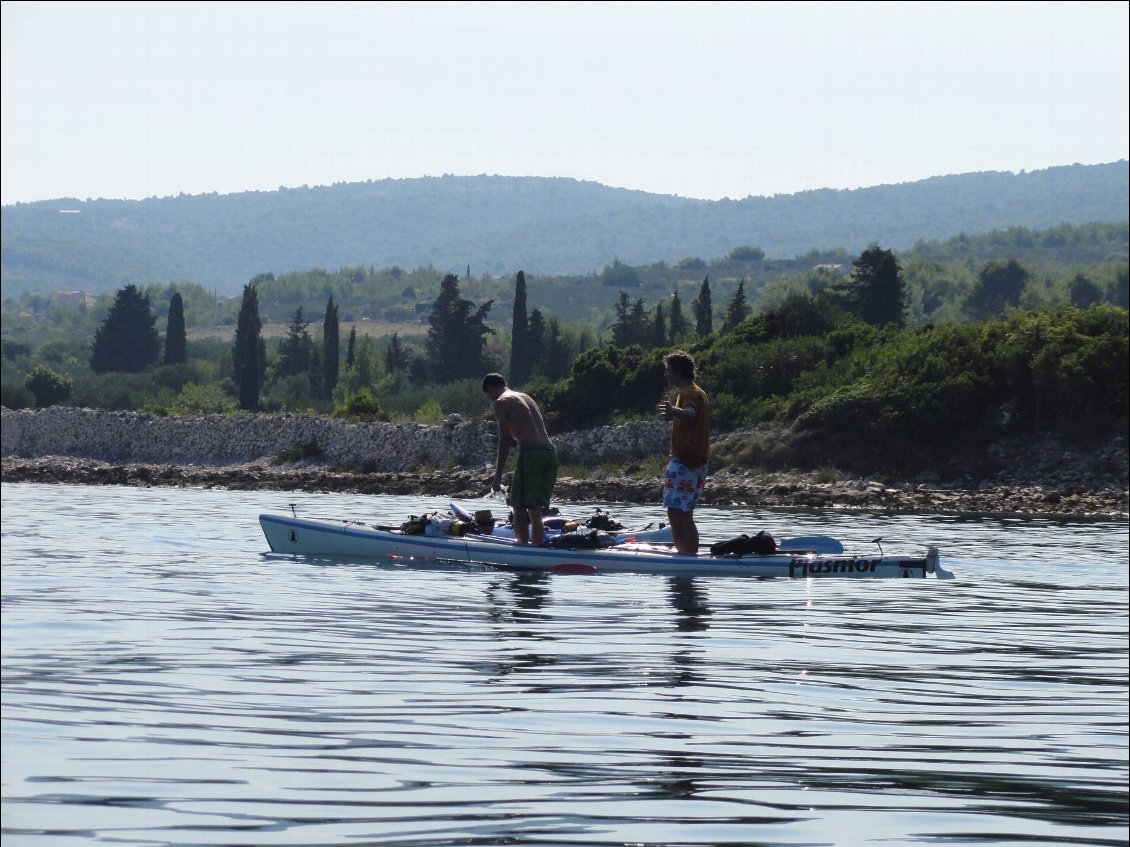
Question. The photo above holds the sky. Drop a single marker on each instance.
(702, 99)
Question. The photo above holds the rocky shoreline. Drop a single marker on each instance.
(1060, 498)
(1031, 476)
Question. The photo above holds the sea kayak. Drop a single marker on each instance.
(338, 539)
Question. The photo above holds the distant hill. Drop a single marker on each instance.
(498, 225)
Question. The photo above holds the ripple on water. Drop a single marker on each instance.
(165, 682)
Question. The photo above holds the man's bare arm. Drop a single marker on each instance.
(505, 441)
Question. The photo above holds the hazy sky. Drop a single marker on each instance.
(710, 100)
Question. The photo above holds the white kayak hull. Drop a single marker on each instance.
(353, 540)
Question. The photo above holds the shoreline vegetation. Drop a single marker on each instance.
(1044, 479)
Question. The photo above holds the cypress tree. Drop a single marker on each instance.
(397, 360)
(314, 375)
(555, 358)
(623, 333)
(248, 358)
(738, 309)
(331, 350)
(520, 359)
(176, 342)
(297, 348)
(535, 341)
(396, 356)
(703, 310)
(677, 324)
(351, 348)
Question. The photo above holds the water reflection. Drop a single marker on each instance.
(515, 611)
(518, 597)
(689, 600)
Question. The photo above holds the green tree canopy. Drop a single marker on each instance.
(128, 340)
(999, 286)
(1083, 292)
(557, 352)
(456, 335)
(876, 292)
(619, 275)
(747, 254)
(631, 326)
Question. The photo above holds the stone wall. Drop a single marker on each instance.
(130, 437)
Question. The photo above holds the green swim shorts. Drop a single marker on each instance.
(534, 476)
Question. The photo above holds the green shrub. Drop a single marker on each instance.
(15, 395)
(361, 405)
(118, 391)
(430, 413)
(47, 386)
(199, 400)
(464, 397)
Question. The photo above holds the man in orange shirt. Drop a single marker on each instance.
(690, 449)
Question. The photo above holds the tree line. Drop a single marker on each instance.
(304, 373)
(839, 364)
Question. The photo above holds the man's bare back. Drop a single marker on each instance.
(520, 422)
(521, 417)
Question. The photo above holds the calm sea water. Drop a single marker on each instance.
(165, 682)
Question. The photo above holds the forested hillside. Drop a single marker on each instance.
(494, 225)
(1061, 263)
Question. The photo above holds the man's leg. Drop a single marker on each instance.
(541, 473)
(537, 526)
(522, 525)
(683, 530)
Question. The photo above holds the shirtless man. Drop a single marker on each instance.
(685, 476)
(520, 422)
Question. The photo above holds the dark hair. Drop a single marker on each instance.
(681, 362)
(493, 379)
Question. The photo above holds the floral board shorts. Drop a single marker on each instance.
(682, 486)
